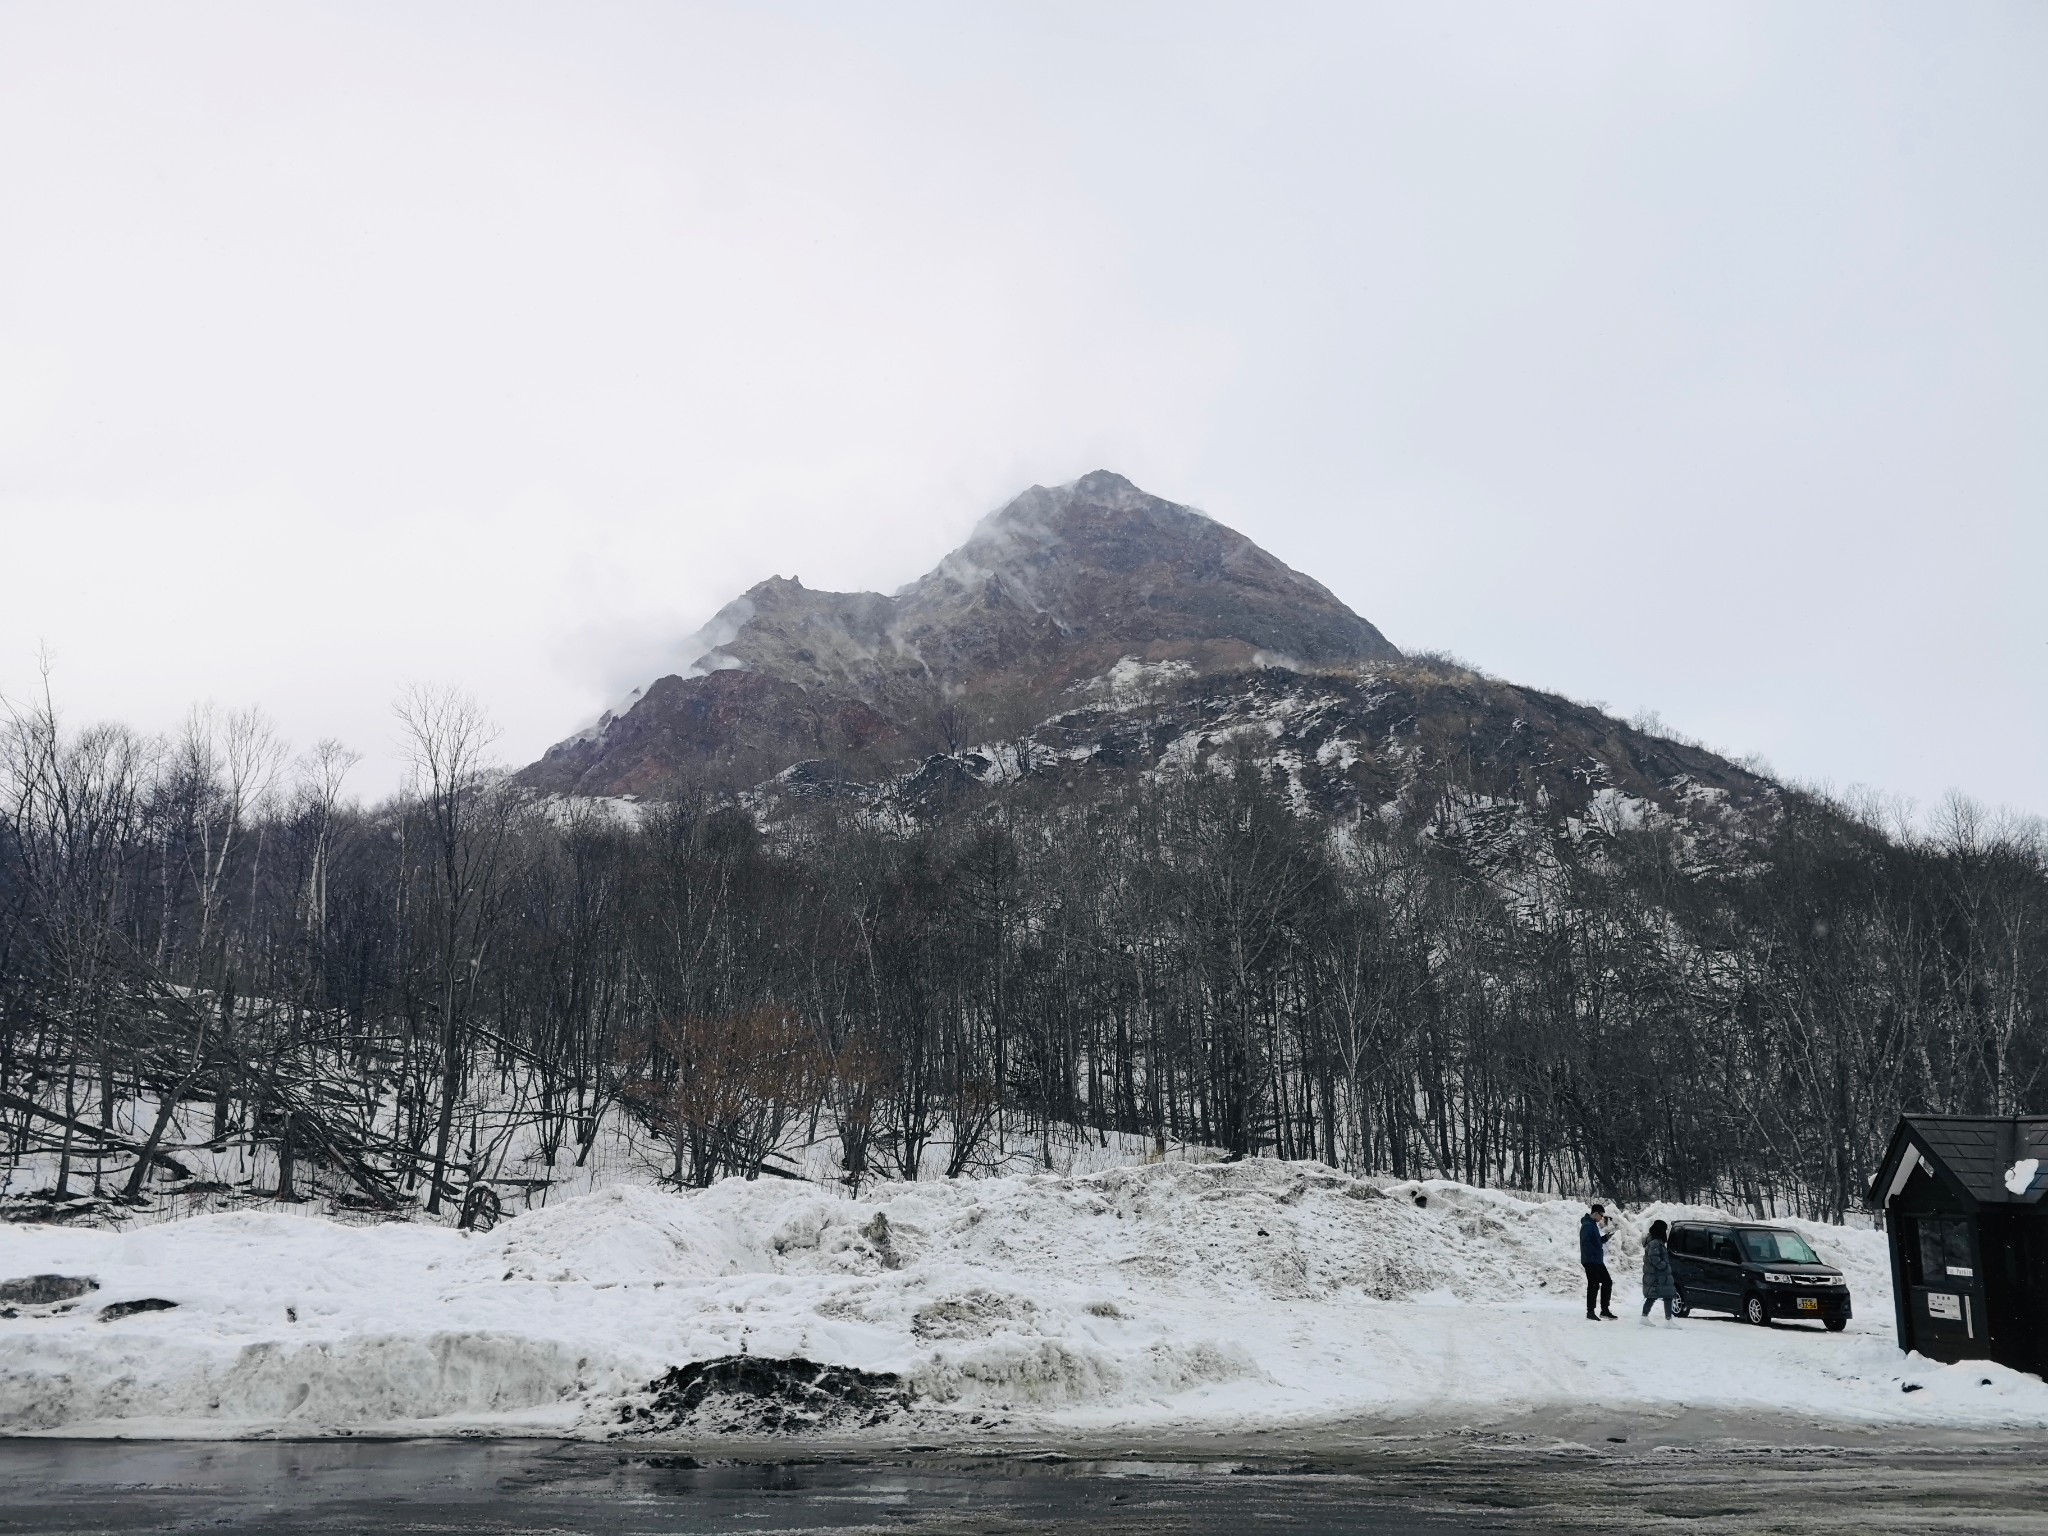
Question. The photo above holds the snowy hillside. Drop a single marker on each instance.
(1177, 1295)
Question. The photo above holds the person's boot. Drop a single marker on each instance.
(1607, 1316)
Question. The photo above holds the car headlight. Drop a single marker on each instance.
(1771, 1277)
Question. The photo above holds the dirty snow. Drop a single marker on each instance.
(1176, 1295)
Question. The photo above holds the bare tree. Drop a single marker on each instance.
(463, 817)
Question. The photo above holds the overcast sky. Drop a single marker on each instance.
(1687, 359)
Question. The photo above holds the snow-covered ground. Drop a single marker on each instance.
(1173, 1296)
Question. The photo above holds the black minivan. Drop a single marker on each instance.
(1759, 1273)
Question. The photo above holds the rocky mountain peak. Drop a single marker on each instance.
(1057, 584)
(1055, 588)
(1107, 561)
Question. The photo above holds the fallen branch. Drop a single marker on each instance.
(99, 1133)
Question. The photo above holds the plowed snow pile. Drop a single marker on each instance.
(1206, 1296)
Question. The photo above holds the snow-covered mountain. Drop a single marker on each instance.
(1095, 630)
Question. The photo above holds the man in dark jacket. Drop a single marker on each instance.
(1593, 1235)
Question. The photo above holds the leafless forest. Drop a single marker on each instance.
(403, 1004)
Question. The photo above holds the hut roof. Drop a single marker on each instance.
(1988, 1159)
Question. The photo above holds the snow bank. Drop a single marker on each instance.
(1175, 1295)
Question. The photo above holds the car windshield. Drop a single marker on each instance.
(1778, 1248)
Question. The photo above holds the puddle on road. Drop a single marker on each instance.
(1444, 1485)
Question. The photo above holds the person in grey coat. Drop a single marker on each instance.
(1658, 1284)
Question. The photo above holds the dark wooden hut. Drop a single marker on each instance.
(1961, 1197)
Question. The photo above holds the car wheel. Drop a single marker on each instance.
(1681, 1308)
(1836, 1324)
(1754, 1310)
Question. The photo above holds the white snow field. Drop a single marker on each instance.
(1159, 1298)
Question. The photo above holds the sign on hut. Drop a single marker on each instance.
(1961, 1196)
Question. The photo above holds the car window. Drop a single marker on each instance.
(1777, 1248)
(1682, 1239)
(1724, 1248)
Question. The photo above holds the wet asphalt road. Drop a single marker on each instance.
(1446, 1483)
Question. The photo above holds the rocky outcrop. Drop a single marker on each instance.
(729, 729)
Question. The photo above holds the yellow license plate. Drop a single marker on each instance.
(1809, 1303)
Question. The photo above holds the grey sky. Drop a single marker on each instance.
(1685, 358)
